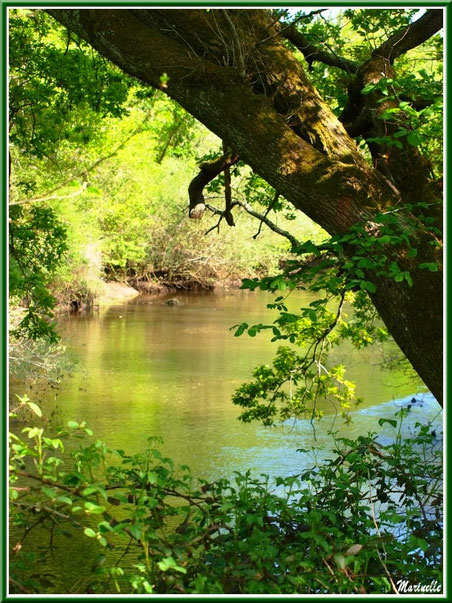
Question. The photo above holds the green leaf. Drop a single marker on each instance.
(152, 477)
(92, 508)
(432, 266)
(135, 530)
(414, 139)
(368, 88)
(89, 532)
(35, 408)
(241, 328)
(93, 190)
(392, 422)
(400, 133)
(48, 492)
(147, 587)
(24, 399)
(367, 285)
(89, 490)
(73, 424)
(170, 563)
(104, 526)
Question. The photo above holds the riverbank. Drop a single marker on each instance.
(114, 292)
(164, 286)
(103, 293)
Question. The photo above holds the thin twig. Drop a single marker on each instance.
(19, 586)
(237, 45)
(383, 546)
(269, 208)
(291, 24)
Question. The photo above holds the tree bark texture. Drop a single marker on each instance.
(233, 71)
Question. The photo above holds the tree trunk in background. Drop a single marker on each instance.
(256, 97)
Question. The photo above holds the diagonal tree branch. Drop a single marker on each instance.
(285, 26)
(51, 197)
(413, 35)
(262, 217)
(313, 53)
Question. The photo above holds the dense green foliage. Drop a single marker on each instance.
(106, 163)
(58, 96)
(417, 90)
(357, 522)
(59, 90)
(37, 244)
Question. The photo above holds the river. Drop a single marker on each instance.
(144, 368)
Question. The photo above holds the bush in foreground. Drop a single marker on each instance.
(358, 522)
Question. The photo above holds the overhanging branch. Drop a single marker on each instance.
(263, 218)
(84, 171)
(312, 53)
(413, 35)
(208, 171)
(294, 243)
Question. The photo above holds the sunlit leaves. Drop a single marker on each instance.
(248, 535)
(342, 266)
(37, 245)
(59, 89)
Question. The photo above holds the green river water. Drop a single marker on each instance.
(143, 368)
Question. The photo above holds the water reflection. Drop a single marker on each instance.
(145, 368)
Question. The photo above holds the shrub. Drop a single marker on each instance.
(358, 522)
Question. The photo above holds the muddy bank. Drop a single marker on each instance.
(110, 292)
(163, 287)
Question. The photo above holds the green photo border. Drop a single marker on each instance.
(5, 5)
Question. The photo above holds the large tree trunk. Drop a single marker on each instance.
(255, 96)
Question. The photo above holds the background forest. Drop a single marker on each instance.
(100, 166)
(103, 164)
